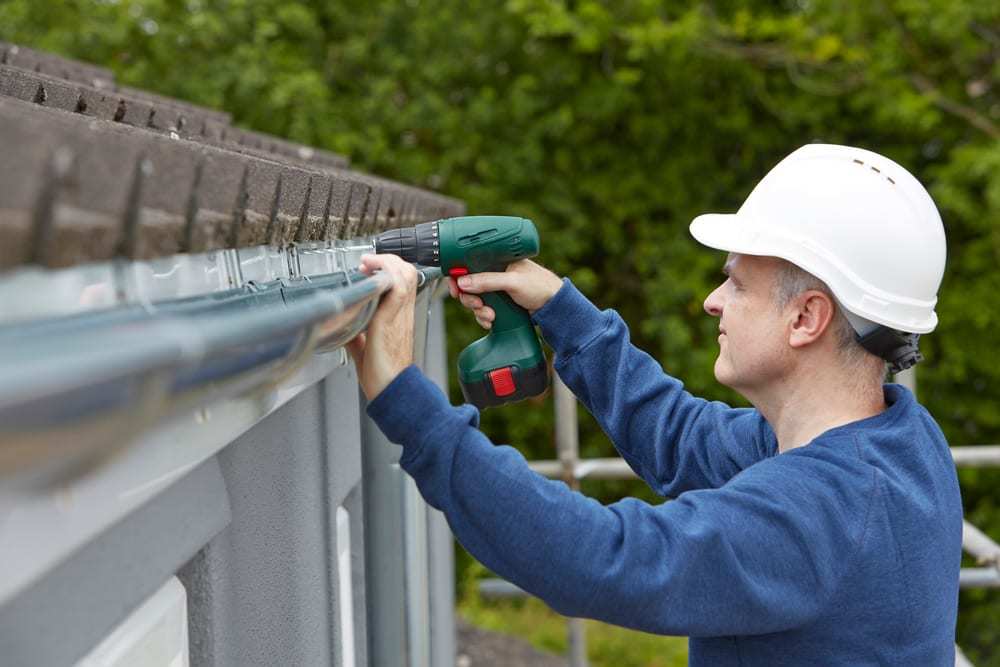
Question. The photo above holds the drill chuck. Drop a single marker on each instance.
(420, 244)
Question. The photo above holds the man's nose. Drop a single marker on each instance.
(713, 302)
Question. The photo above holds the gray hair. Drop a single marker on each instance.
(792, 281)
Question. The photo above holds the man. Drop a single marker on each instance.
(822, 527)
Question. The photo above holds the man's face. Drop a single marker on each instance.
(753, 336)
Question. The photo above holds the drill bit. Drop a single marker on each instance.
(363, 248)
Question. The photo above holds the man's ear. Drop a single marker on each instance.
(812, 312)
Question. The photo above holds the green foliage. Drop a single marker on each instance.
(612, 124)
(607, 645)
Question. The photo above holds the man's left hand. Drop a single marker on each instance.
(386, 348)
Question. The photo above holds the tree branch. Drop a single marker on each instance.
(928, 87)
(948, 105)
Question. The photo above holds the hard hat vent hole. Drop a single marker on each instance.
(873, 168)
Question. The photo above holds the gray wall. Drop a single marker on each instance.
(251, 533)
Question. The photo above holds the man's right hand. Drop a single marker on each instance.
(530, 285)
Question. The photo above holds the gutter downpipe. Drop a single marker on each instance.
(568, 450)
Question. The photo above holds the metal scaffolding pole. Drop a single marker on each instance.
(978, 544)
(979, 577)
(568, 448)
(973, 456)
(976, 456)
(907, 378)
(960, 659)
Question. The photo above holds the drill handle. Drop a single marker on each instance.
(507, 364)
(509, 315)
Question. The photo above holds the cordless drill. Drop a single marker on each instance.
(507, 364)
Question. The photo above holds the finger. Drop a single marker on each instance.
(356, 347)
(486, 324)
(411, 275)
(487, 282)
(486, 313)
(402, 274)
(364, 267)
(453, 288)
(470, 301)
(385, 262)
(405, 280)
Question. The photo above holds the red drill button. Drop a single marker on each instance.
(503, 381)
(455, 272)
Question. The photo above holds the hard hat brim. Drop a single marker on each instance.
(722, 231)
(732, 232)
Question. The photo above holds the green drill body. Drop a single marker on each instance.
(507, 364)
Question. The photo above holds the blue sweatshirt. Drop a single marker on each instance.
(845, 551)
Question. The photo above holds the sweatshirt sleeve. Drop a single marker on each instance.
(763, 554)
(671, 439)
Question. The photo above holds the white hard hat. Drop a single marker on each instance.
(854, 219)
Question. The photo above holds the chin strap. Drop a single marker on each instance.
(899, 348)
